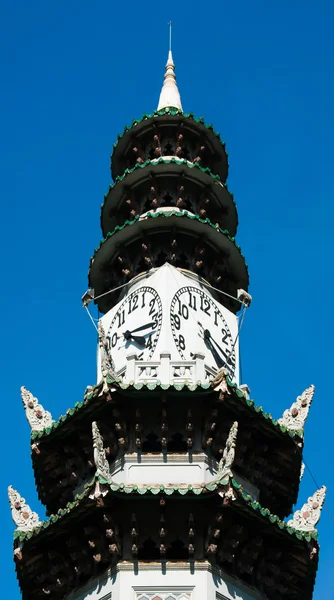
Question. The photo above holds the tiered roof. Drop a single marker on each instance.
(170, 203)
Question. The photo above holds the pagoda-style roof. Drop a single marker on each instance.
(63, 455)
(168, 122)
(120, 257)
(216, 522)
(196, 188)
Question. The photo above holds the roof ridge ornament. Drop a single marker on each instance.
(37, 416)
(170, 95)
(107, 363)
(226, 461)
(219, 382)
(100, 456)
(295, 416)
(24, 518)
(307, 517)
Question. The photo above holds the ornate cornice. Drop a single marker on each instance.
(37, 416)
(228, 388)
(295, 416)
(307, 517)
(24, 518)
(226, 487)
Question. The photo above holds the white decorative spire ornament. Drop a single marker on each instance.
(100, 457)
(226, 461)
(307, 518)
(38, 417)
(170, 95)
(24, 518)
(295, 417)
(107, 365)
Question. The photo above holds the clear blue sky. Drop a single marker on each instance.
(73, 75)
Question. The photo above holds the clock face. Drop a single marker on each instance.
(136, 325)
(198, 326)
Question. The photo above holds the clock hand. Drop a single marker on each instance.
(152, 324)
(211, 342)
(212, 349)
(139, 339)
(226, 356)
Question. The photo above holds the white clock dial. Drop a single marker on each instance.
(136, 325)
(198, 325)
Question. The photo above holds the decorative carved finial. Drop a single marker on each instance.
(226, 461)
(24, 518)
(295, 417)
(307, 518)
(100, 458)
(170, 95)
(38, 417)
(219, 381)
(107, 364)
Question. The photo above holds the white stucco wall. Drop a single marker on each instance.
(178, 580)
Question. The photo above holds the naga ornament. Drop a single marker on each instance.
(24, 518)
(307, 518)
(38, 417)
(295, 417)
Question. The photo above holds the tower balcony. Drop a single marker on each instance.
(169, 132)
(169, 181)
(168, 235)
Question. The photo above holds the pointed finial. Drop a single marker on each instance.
(24, 518)
(170, 95)
(107, 363)
(307, 518)
(295, 417)
(37, 416)
(226, 462)
(100, 457)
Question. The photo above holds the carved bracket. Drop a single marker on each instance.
(24, 518)
(37, 416)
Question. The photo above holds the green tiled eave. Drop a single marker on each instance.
(177, 161)
(243, 501)
(173, 112)
(166, 161)
(166, 214)
(203, 388)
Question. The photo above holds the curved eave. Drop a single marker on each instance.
(169, 116)
(164, 167)
(162, 221)
(244, 502)
(95, 393)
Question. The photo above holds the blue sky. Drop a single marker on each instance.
(73, 75)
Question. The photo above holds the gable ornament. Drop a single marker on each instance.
(307, 517)
(295, 416)
(37, 416)
(24, 518)
(100, 457)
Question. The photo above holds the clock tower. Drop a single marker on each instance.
(167, 482)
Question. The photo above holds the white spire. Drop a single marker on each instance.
(170, 95)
